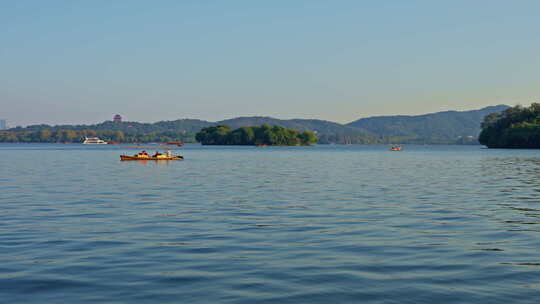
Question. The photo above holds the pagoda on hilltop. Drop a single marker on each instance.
(117, 118)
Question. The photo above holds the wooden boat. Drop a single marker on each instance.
(146, 157)
(395, 148)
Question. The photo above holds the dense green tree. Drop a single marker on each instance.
(516, 127)
(262, 135)
(217, 135)
(243, 135)
(307, 138)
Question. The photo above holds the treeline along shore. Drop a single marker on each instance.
(77, 136)
(449, 127)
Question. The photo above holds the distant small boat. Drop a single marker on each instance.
(93, 141)
(395, 148)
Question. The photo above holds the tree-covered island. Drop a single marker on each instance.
(516, 127)
(262, 135)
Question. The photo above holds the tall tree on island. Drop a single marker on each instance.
(516, 127)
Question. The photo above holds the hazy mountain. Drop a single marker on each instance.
(327, 131)
(319, 126)
(441, 127)
(445, 126)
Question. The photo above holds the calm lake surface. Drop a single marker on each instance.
(323, 224)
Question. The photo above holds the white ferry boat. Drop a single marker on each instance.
(93, 141)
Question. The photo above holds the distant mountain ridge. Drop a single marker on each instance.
(446, 127)
(327, 131)
(443, 127)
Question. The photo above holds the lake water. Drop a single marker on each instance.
(323, 224)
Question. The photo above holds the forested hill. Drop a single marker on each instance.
(321, 126)
(441, 127)
(184, 125)
(183, 130)
(195, 125)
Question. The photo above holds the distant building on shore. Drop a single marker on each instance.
(3, 124)
(117, 118)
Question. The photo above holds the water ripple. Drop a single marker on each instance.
(344, 224)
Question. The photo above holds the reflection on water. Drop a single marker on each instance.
(340, 224)
(157, 164)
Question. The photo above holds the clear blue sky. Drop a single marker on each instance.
(83, 61)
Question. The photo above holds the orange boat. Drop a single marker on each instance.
(147, 157)
(395, 148)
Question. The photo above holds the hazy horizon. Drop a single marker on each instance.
(68, 62)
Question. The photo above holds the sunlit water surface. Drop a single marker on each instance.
(323, 224)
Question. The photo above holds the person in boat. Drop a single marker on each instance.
(156, 154)
(143, 154)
